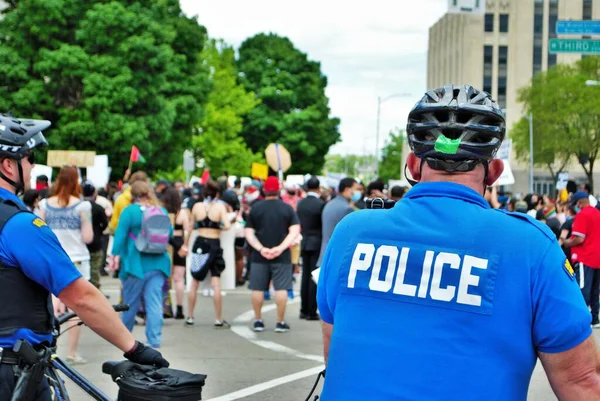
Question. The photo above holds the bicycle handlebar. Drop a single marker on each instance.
(68, 316)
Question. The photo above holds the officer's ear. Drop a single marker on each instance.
(414, 166)
(495, 170)
(8, 167)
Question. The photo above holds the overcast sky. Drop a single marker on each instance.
(366, 49)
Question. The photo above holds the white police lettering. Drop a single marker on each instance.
(375, 283)
(427, 262)
(467, 280)
(401, 287)
(455, 288)
(437, 292)
(363, 256)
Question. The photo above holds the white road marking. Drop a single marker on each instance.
(248, 391)
(240, 327)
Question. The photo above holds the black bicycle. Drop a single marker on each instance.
(45, 362)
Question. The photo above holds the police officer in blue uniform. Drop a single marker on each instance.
(33, 265)
(442, 297)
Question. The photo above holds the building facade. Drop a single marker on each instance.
(500, 52)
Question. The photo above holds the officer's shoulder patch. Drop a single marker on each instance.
(569, 269)
(540, 226)
(39, 222)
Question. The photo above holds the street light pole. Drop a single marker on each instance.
(379, 101)
(530, 153)
(377, 138)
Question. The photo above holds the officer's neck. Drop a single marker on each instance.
(472, 179)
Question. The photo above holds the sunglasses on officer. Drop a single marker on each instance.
(30, 156)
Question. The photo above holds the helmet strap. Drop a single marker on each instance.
(410, 180)
(19, 187)
(486, 167)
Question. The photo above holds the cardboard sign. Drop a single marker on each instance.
(78, 158)
(260, 171)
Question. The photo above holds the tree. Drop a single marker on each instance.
(294, 109)
(218, 139)
(107, 74)
(351, 165)
(565, 114)
(390, 166)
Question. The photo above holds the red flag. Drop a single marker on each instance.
(205, 177)
(136, 155)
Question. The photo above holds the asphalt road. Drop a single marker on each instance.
(240, 364)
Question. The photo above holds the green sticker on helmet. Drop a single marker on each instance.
(447, 145)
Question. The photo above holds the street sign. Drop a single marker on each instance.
(581, 46)
(578, 27)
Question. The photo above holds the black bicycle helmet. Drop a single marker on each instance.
(455, 128)
(18, 137)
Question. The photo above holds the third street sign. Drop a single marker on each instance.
(581, 46)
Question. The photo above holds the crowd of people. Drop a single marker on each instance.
(281, 232)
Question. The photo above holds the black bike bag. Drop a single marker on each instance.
(148, 383)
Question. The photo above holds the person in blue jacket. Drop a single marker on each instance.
(442, 297)
(33, 265)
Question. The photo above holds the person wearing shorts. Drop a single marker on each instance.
(210, 217)
(271, 228)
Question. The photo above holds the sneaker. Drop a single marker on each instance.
(189, 322)
(596, 325)
(75, 360)
(259, 325)
(282, 327)
(222, 324)
(179, 316)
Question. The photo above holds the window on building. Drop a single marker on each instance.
(552, 19)
(587, 9)
(489, 22)
(586, 15)
(502, 74)
(503, 22)
(538, 24)
(488, 59)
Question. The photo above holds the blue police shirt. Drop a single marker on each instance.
(27, 243)
(442, 297)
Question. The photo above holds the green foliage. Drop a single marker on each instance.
(218, 139)
(566, 115)
(107, 74)
(390, 166)
(352, 165)
(294, 109)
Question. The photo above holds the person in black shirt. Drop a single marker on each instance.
(99, 224)
(271, 228)
(310, 211)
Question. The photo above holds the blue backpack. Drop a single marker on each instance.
(156, 229)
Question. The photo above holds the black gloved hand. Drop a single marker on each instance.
(146, 356)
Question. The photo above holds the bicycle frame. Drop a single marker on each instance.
(88, 387)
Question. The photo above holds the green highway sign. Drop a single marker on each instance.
(581, 46)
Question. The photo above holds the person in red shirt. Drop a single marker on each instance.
(585, 251)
